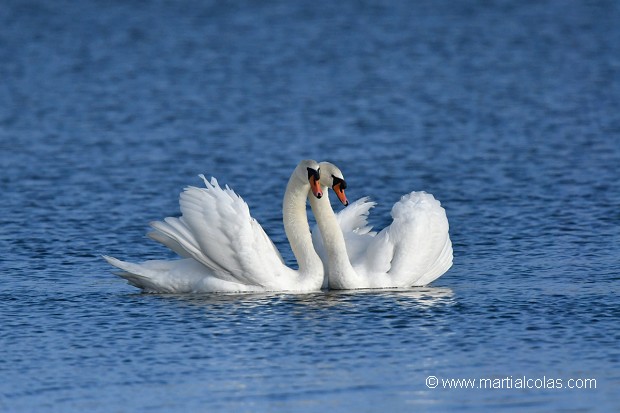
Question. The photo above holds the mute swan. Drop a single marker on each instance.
(413, 251)
(225, 249)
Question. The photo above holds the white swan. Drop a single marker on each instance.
(413, 251)
(225, 249)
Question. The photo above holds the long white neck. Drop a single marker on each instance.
(297, 229)
(340, 271)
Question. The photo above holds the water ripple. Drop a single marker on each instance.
(506, 112)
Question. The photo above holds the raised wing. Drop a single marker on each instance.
(217, 230)
(415, 249)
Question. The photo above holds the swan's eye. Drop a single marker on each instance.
(312, 172)
(342, 182)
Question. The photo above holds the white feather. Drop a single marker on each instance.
(414, 250)
(225, 249)
(417, 238)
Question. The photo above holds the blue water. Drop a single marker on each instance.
(507, 111)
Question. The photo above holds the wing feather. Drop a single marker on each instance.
(415, 249)
(227, 236)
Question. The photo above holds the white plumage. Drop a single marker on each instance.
(413, 251)
(225, 249)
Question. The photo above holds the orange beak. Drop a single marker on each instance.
(315, 187)
(340, 194)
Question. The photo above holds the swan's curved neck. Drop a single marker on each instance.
(297, 228)
(339, 266)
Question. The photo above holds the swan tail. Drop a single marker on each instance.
(136, 275)
(175, 276)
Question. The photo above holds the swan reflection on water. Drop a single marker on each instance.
(424, 296)
(413, 297)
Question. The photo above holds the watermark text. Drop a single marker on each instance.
(510, 382)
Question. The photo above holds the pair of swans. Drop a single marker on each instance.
(224, 249)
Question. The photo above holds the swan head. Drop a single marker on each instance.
(331, 177)
(308, 171)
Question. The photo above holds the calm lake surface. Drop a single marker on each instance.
(507, 111)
